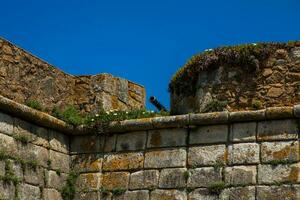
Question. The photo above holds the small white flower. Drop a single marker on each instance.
(97, 115)
(127, 112)
(107, 112)
(115, 114)
(143, 113)
(92, 120)
(254, 44)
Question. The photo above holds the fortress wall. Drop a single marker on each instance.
(25, 77)
(246, 155)
(251, 155)
(34, 160)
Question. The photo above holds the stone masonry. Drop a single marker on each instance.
(24, 77)
(249, 155)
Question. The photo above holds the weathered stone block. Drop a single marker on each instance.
(209, 118)
(203, 194)
(209, 134)
(147, 179)
(277, 130)
(123, 161)
(114, 180)
(297, 110)
(51, 194)
(131, 141)
(243, 132)
(279, 151)
(41, 136)
(279, 112)
(2, 168)
(167, 138)
(202, 177)
(59, 141)
(60, 161)
(170, 121)
(88, 195)
(168, 195)
(135, 195)
(110, 143)
(89, 181)
(6, 124)
(241, 116)
(87, 162)
(240, 175)
(173, 178)
(239, 193)
(7, 190)
(270, 174)
(55, 179)
(207, 155)
(86, 144)
(245, 153)
(285, 192)
(165, 158)
(34, 176)
(29, 192)
(34, 153)
(8, 145)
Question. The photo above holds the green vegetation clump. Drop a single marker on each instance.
(216, 187)
(256, 104)
(24, 139)
(69, 114)
(248, 56)
(34, 104)
(118, 191)
(69, 190)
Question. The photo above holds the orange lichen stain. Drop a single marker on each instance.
(294, 174)
(225, 157)
(114, 102)
(283, 153)
(155, 139)
(125, 162)
(91, 180)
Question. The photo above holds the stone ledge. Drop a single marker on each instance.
(46, 120)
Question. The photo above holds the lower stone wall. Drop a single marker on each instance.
(255, 160)
(34, 161)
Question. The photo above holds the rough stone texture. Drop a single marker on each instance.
(16, 168)
(272, 83)
(165, 158)
(59, 142)
(268, 174)
(60, 161)
(167, 138)
(173, 178)
(243, 132)
(209, 118)
(146, 179)
(6, 124)
(202, 177)
(239, 193)
(24, 77)
(280, 151)
(209, 134)
(203, 194)
(207, 155)
(240, 175)
(277, 193)
(29, 192)
(113, 180)
(87, 162)
(245, 153)
(2, 168)
(168, 195)
(131, 141)
(87, 195)
(34, 176)
(51, 194)
(55, 179)
(123, 161)
(7, 190)
(89, 181)
(134, 195)
(86, 144)
(110, 143)
(278, 130)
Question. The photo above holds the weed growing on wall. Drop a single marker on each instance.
(69, 114)
(69, 190)
(215, 106)
(216, 187)
(34, 104)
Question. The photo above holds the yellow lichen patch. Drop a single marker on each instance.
(123, 161)
(115, 180)
(114, 102)
(225, 158)
(294, 174)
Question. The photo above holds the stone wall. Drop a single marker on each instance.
(275, 82)
(34, 160)
(25, 77)
(251, 155)
(235, 156)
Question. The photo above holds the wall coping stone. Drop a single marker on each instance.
(46, 120)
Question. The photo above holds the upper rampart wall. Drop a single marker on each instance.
(25, 77)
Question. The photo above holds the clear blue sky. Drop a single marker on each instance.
(143, 41)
